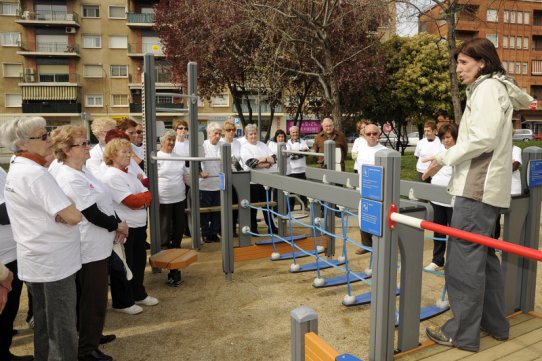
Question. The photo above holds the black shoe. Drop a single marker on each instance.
(235, 234)
(207, 239)
(147, 245)
(174, 278)
(21, 358)
(96, 355)
(106, 339)
(14, 332)
(216, 238)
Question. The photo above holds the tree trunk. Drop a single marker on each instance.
(456, 99)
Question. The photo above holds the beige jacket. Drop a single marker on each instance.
(482, 156)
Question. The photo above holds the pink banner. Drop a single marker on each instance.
(307, 126)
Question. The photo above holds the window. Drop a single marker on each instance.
(524, 68)
(506, 17)
(94, 100)
(118, 42)
(505, 42)
(505, 65)
(119, 71)
(221, 100)
(11, 39)
(526, 43)
(14, 100)
(520, 17)
(117, 12)
(518, 42)
(92, 41)
(8, 8)
(492, 15)
(512, 17)
(512, 42)
(526, 18)
(494, 38)
(12, 70)
(518, 68)
(91, 11)
(511, 67)
(164, 99)
(93, 71)
(119, 100)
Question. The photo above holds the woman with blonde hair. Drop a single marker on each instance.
(99, 127)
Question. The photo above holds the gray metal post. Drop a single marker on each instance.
(149, 101)
(384, 281)
(532, 232)
(241, 182)
(281, 205)
(329, 160)
(304, 320)
(226, 213)
(193, 152)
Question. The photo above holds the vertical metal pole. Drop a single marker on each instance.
(226, 213)
(384, 281)
(193, 152)
(281, 205)
(532, 231)
(329, 161)
(149, 110)
(304, 320)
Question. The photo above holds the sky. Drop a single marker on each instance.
(407, 16)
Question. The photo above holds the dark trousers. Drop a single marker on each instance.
(257, 194)
(303, 198)
(7, 317)
(443, 216)
(92, 304)
(172, 224)
(210, 222)
(366, 238)
(474, 278)
(123, 292)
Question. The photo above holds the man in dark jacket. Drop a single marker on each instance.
(329, 133)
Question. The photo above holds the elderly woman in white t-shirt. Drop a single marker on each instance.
(44, 224)
(172, 176)
(131, 200)
(99, 229)
(256, 155)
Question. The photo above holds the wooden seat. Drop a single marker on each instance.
(172, 259)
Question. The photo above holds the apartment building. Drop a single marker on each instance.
(515, 27)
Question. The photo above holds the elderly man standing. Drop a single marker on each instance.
(426, 147)
(329, 133)
(367, 157)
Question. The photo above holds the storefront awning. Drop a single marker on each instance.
(44, 92)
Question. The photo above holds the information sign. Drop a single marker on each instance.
(535, 173)
(371, 217)
(372, 177)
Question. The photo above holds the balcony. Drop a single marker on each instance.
(138, 50)
(265, 107)
(163, 81)
(50, 50)
(138, 20)
(63, 78)
(138, 108)
(48, 18)
(42, 107)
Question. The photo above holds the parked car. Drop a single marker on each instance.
(537, 137)
(523, 135)
(309, 139)
(390, 139)
(413, 138)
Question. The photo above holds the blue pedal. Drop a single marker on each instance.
(365, 298)
(320, 264)
(267, 241)
(341, 280)
(299, 254)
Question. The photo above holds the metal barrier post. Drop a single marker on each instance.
(532, 233)
(281, 205)
(384, 282)
(329, 161)
(304, 320)
(226, 213)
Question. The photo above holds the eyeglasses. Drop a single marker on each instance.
(43, 137)
(85, 143)
(139, 131)
(230, 130)
(182, 128)
(374, 134)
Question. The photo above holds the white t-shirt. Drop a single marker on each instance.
(299, 165)
(242, 140)
(95, 161)
(211, 183)
(133, 169)
(368, 155)
(182, 148)
(425, 148)
(139, 151)
(47, 250)
(8, 247)
(442, 178)
(171, 187)
(122, 185)
(274, 146)
(257, 150)
(85, 190)
(516, 177)
(359, 144)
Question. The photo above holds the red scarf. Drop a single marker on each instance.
(34, 157)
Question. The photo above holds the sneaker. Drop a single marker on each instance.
(147, 301)
(432, 267)
(498, 338)
(132, 310)
(437, 336)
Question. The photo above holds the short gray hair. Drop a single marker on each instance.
(211, 127)
(168, 134)
(19, 130)
(294, 127)
(250, 128)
